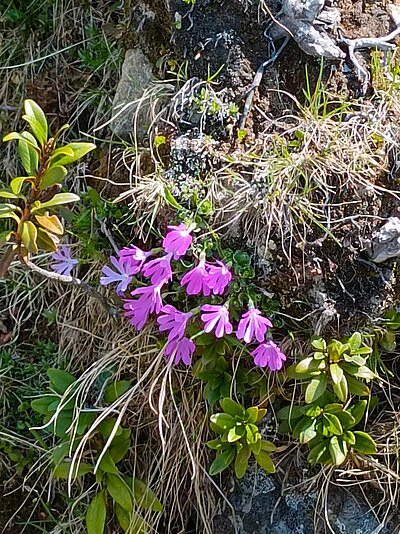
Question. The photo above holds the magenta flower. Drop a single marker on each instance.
(219, 277)
(181, 350)
(216, 318)
(253, 325)
(137, 312)
(151, 297)
(268, 354)
(65, 261)
(134, 256)
(178, 240)
(197, 280)
(173, 321)
(159, 269)
(123, 276)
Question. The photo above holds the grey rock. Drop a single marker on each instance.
(385, 242)
(136, 77)
(262, 507)
(305, 21)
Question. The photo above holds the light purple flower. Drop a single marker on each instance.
(268, 354)
(159, 269)
(216, 318)
(218, 278)
(197, 280)
(123, 276)
(173, 320)
(134, 256)
(178, 240)
(253, 325)
(181, 350)
(65, 261)
(151, 297)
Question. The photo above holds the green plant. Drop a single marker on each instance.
(35, 197)
(122, 493)
(239, 437)
(328, 429)
(337, 364)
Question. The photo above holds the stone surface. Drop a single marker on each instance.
(385, 242)
(136, 77)
(262, 508)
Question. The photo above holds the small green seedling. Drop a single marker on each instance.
(239, 437)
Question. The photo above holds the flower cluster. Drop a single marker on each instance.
(205, 279)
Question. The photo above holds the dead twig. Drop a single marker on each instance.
(71, 280)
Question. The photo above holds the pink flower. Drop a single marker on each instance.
(151, 297)
(181, 350)
(137, 312)
(253, 324)
(134, 256)
(124, 275)
(159, 269)
(66, 261)
(173, 320)
(216, 317)
(178, 240)
(197, 279)
(219, 277)
(268, 354)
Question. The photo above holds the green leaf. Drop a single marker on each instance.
(42, 404)
(57, 200)
(62, 423)
(5, 237)
(315, 388)
(318, 452)
(318, 343)
(306, 368)
(267, 446)
(290, 412)
(331, 425)
(96, 515)
(107, 426)
(145, 497)
(63, 470)
(107, 464)
(341, 390)
(60, 452)
(358, 410)
(232, 408)
(338, 450)
(264, 461)
(120, 445)
(236, 433)
(114, 390)
(336, 373)
(223, 421)
(37, 120)
(305, 430)
(346, 419)
(54, 175)
(123, 517)
(119, 491)
(355, 341)
(79, 150)
(364, 443)
(222, 461)
(85, 419)
(349, 437)
(171, 200)
(60, 380)
(365, 372)
(357, 387)
(242, 460)
(8, 194)
(312, 411)
(46, 240)
(29, 236)
(17, 183)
